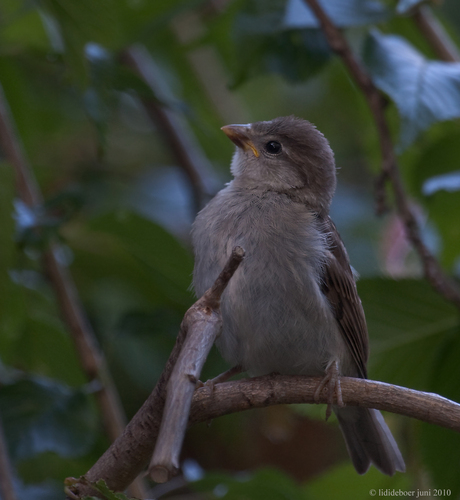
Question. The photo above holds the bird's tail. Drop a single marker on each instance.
(369, 440)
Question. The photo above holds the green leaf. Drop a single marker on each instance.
(425, 92)
(343, 13)
(439, 449)
(160, 254)
(259, 485)
(436, 182)
(102, 487)
(409, 324)
(99, 97)
(415, 343)
(440, 205)
(141, 345)
(32, 337)
(265, 45)
(81, 22)
(43, 415)
(22, 27)
(343, 482)
(449, 182)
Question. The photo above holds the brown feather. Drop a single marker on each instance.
(340, 289)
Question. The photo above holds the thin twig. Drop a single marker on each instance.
(432, 270)
(129, 454)
(91, 360)
(6, 475)
(260, 392)
(183, 145)
(434, 32)
(203, 322)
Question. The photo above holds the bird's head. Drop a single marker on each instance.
(287, 155)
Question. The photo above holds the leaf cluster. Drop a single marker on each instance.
(119, 203)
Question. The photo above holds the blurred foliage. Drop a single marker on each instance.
(121, 207)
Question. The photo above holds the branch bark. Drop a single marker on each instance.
(129, 454)
(230, 397)
(390, 171)
(91, 360)
(203, 322)
(269, 390)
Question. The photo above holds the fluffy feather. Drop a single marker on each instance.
(292, 306)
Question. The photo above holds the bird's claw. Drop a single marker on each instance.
(332, 382)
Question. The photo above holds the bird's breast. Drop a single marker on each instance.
(275, 318)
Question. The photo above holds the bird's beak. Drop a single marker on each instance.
(239, 135)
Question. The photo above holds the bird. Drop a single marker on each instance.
(292, 306)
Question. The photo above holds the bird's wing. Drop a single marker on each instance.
(340, 289)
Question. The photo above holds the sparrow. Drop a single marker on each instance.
(292, 306)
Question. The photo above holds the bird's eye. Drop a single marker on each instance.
(273, 147)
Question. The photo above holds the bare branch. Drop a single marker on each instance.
(203, 322)
(91, 359)
(432, 270)
(260, 392)
(6, 475)
(129, 454)
(183, 145)
(435, 33)
(269, 390)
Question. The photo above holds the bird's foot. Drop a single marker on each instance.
(332, 382)
(223, 377)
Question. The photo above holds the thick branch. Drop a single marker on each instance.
(90, 358)
(129, 454)
(432, 270)
(269, 390)
(231, 397)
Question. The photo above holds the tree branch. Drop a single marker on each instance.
(183, 145)
(260, 392)
(129, 454)
(203, 322)
(91, 360)
(435, 33)
(432, 270)
(269, 390)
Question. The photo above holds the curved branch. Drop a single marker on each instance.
(269, 390)
(390, 171)
(130, 453)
